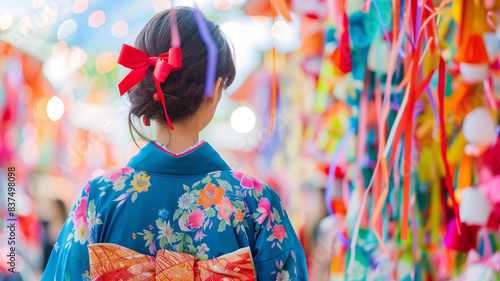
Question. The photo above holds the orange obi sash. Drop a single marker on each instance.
(110, 262)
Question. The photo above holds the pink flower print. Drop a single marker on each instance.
(152, 248)
(265, 210)
(279, 232)
(80, 214)
(87, 188)
(225, 209)
(199, 235)
(127, 170)
(249, 182)
(113, 175)
(196, 219)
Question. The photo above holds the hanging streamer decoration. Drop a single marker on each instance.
(405, 116)
(175, 39)
(283, 9)
(212, 52)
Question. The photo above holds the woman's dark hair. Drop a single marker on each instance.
(183, 89)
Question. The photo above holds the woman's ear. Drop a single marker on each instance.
(217, 93)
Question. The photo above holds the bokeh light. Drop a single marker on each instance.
(45, 19)
(38, 3)
(29, 152)
(6, 21)
(97, 19)
(243, 119)
(106, 62)
(25, 25)
(97, 172)
(223, 4)
(281, 30)
(59, 48)
(80, 6)
(55, 108)
(161, 5)
(57, 68)
(29, 132)
(77, 57)
(119, 29)
(67, 30)
(75, 79)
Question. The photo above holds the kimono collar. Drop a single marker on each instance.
(201, 159)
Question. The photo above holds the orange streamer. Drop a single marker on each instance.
(281, 5)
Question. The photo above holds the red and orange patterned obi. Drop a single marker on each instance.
(110, 262)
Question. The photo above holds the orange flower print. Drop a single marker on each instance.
(239, 215)
(225, 209)
(210, 195)
(141, 182)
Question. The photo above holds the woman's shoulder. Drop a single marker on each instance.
(118, 181)
(115, 177)
(255, 192)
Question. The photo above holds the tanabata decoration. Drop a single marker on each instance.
(212, 52)
(256, 8)
(406, 110)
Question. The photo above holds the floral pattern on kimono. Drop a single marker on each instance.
(192, 203)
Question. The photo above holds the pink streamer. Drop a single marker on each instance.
(175, 39)
(496, 139)
(414, 225)
(366, 6)
(345, 192)
(488, 4)
(489, 95)
(386, 103)
(330, 10)
(489, 20)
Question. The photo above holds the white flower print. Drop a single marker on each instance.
(81, 235)
(165, 231)
(119, 184)
(85, 277)
(283, 276)
(202, 249)
(186, 200)
(91, 219)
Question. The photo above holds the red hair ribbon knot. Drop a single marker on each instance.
(140, 62)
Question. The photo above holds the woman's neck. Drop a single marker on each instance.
(184, 136)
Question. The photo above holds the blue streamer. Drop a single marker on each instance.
(211, 49)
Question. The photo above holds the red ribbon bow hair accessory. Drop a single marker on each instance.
(140, 62)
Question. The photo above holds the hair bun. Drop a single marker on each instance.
(183, 89)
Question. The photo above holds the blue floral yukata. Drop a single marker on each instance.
(192, 203)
